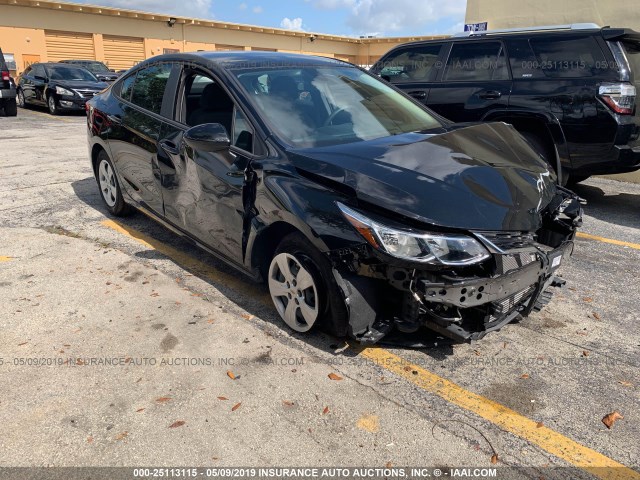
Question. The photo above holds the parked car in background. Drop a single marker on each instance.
(7, 90)
(57, 86)
(570, 90)
(99, 69)
(361, 209)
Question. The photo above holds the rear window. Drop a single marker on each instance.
(567, 57)
(476, 61)
(413, 64)
(632, 50)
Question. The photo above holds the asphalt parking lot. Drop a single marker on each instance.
(123, 345)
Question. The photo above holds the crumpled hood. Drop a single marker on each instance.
(478, 177)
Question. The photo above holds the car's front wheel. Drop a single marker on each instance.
(303, 289)
(109, 186)
(53, 105)
(22, 103)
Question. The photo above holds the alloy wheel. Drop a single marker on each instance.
(108, 185)
(294, 292)
(21, 102)
(53, 108)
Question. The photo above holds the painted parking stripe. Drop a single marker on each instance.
(509, 420)
(588, 236)
(5, 259)
(505, 418)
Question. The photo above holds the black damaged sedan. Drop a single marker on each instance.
(362, 210)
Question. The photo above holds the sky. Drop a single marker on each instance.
(337, 17)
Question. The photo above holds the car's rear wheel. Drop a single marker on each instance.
(109, 186)
(21, 100)
(303, 289)
(10, 107)
(53, 105)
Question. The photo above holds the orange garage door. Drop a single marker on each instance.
(69, 46)
(123, 52)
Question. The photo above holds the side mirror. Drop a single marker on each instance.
(208, 137)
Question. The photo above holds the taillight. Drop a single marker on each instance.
(5, 76)
(620, 97)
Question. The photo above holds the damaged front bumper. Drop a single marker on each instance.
(466, 304)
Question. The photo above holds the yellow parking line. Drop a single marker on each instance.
(588, 236)
(47, 115)
(190, 263)
(5, 259)
(505, 418)
(509, 420)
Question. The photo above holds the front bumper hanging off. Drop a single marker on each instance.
(461, 307)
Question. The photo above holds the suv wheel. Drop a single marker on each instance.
(542, 148)
(10, 107)
(303, 289)
(575, 179)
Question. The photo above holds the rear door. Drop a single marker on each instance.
(474, 82)
(135, 133)
(412, 68)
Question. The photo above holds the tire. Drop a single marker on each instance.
(10, 107)
(542, 148)
(110, 187)
(303, 289)
(52, 105)
(22, 103)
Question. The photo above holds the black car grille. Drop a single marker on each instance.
(507, 305)
(506, 241)
(87, 93)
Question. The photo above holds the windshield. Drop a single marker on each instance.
(70, 73)
(323, 106)
(96, 67)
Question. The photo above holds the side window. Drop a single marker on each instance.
(413, 64)
(126, 87)
(205, 101)
(523, 62)
(148, 89)
(242, 132)
(38, 71)
(568, 57)
(476, 61)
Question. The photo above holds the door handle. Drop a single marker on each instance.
(490, 95)
(418, 95)
(169, 147)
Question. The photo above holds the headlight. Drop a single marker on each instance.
(422, 247)
(64, 91)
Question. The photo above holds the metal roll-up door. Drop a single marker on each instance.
(121, 53)
(69, 46)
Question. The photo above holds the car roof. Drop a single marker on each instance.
(609, 33)
(248, 59)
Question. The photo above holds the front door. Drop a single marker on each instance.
(202, 191)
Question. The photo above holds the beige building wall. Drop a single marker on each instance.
(23, 24)
(527, 13)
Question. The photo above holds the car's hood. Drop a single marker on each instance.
(81, 84)
(478, 177)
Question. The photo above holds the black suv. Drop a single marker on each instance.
(7, 90)
(570, 90)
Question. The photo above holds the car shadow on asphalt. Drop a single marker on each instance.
(250, 296)
(621, 209)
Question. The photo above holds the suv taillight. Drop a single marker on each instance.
(620, 97)
(5, 76)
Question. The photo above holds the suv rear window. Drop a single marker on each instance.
(568, 57)
(476, 61)
(632, 50)
(409, 64)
